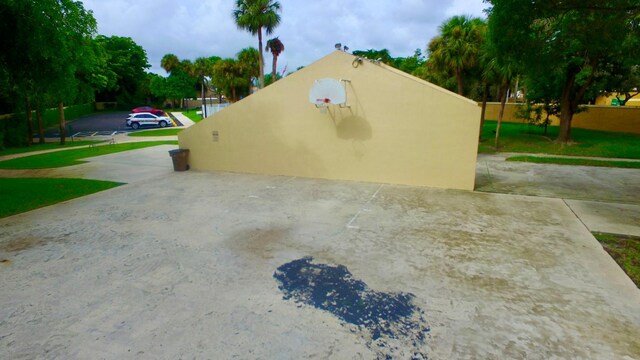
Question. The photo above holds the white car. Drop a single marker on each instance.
(147, 119)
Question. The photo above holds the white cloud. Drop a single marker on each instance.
(309, 30)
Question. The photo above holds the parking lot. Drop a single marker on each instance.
(99, 124)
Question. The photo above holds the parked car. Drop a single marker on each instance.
(147, 109)
(135, 121)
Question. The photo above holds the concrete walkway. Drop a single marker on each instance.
(185, 121)
(194, 265)
(605, 199)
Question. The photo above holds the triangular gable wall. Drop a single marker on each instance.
(398, 129)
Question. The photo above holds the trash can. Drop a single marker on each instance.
(180, 157)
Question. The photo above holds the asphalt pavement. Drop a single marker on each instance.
(111, 121)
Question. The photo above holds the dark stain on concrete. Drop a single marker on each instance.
(392, 325)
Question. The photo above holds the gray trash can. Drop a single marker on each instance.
(180, 159)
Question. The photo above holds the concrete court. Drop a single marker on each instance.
(187, 272)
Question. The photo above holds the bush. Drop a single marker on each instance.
(13, 131)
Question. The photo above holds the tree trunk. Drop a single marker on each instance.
(40, 123)
(63, 133)
(460, 82)
(204, 102)
(546, 124)
(274, 69)
(485, 94)
(261, 58)
(503, 101)
(566, 113)
(29, 121)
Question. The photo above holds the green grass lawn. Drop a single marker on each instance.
(46, 146)
(24, 194)
(73, 156)
(625, 250)
(576, 161)
(191, 114)
(160, 132)
(524, 138)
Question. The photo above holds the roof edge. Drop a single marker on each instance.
(411, 77)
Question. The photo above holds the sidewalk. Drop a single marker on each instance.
(120, 138)
(186, 122)
(604, 199)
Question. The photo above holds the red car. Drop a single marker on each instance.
(148, 109)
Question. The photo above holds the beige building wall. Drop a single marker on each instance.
(606, 100)
(604, 118)
(398, 129)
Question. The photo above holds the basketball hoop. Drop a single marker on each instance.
(323, 104)
(327, 92)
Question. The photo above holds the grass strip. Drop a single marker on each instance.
(73, 156)
(45, 146)
(576, 161)
(193, 115)
(625, 250)
(18, 195)
(525, 138)
(162, 132)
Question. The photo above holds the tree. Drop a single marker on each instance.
(503, 73)
(376, 55)
(203, 69)
(248, 60)
(268, 79)
(457, 47)
(410, 64)
(47, 53)
(276, 47)
(127, 62)
(565, 42)
(255, 15)
(169, 62)
(230, 77)
(178, 85)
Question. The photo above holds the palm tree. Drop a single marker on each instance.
(229, 77)
(253, 16)
(170, 62)
(457, 47)
(248, 59)
(202, 69)
(276, 47)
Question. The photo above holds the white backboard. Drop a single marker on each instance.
(328, 92)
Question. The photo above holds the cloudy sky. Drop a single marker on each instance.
(309, 29)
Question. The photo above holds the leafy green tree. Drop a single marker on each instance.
(230, 77)
(410, 64)
(275, 47)
(248, 60)
(457, 48)
(127, 62)
(178, 85)
(268, 79)
(565, 42)
(255, 15)
(202, 70)
(46, 55)
(376, 55)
